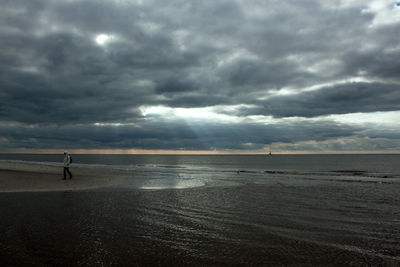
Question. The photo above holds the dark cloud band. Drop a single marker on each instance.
(67, 65)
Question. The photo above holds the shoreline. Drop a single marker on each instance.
(18, 176)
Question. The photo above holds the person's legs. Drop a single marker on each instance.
(65, 169)
(70, 174)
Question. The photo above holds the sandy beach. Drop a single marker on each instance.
(33, 177)
(139, 213)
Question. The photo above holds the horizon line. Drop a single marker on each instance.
(189, 152)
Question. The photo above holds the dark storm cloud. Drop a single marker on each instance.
(56, 77)
(255, 74)
(174, 134)
(339, 99)
(375, 63)
(190, 100)
(35, 99)
(174, 86)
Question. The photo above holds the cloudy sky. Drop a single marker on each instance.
(179, 75)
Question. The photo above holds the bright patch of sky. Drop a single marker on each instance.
(215, 113)
(385, 12)
(390, 118)
(102, 39)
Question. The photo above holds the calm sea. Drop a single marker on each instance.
(384, 163)
(247, 210)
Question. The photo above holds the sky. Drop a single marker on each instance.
(224, 76)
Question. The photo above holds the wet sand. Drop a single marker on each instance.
(47, 221)
(231, 226)
(29, 177)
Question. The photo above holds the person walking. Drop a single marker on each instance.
(67, 163)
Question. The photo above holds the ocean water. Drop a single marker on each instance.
(279, 210)
(184, 171)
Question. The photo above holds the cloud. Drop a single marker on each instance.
(171, 134)
(280, 59)
(337, 99)
(374, 63)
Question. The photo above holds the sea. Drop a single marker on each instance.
(211, 210)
